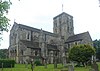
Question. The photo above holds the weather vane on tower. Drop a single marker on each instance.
(99, 3)
(62, 5)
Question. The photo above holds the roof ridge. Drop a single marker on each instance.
(79, 36)
(80, 33)
(35, 29)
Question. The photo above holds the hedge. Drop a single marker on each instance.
(7, 63)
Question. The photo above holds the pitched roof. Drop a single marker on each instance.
(30, 44)
(52, 47)
(35, 29)
(35, 45)
(78, 37)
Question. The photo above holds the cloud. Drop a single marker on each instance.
(40, 13)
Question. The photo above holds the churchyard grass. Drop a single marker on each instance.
(21, 67)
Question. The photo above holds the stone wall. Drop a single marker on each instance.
(25, 40)
(63, 25)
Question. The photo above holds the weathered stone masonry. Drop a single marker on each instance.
(28, 42)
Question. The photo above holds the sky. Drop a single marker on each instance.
(39, 14)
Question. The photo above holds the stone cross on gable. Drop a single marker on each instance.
(41, 32)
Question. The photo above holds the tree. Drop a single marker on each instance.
(4, 21)
(3, 53)
(96, 44)
(98, 53)
(81, 53)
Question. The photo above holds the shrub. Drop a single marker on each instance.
(37, 63)
(81, 53)
(7, 63)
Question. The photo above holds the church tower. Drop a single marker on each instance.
(63, 25)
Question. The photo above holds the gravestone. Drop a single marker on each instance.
(64, 62)
(32, 64)
(72, 63)
(95, 66)
(91, 70)
(2, 66)
(55, 62)
(70, 68)
(45, 62)
(26, 63)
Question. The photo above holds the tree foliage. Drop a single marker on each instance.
(4, 21)
(81, 53)
(3, 53)
(96, 44)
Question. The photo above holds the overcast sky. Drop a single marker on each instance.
(39, 14)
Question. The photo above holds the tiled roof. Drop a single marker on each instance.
(36, 30)
(35, 45)
(52, 47)
(30, 44)
(77, 37)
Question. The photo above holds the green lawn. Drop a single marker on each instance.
(21, 67)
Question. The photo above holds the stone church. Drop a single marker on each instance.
(27, 43)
